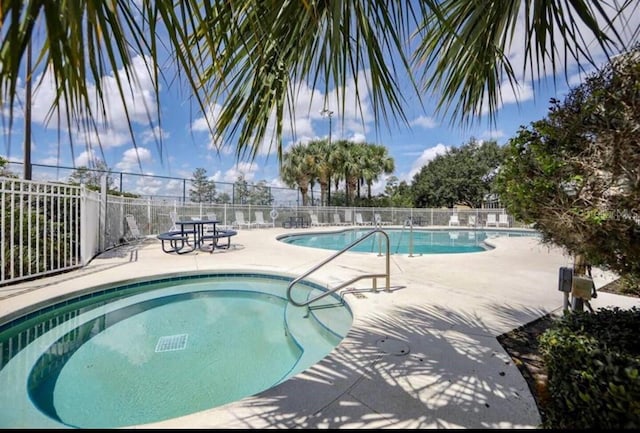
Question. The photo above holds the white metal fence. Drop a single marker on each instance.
(40, 228)
(52, 227)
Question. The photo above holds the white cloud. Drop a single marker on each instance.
(139, 100)
(129, 161)
(424, 122)
(83, 159)
(516, 52)
(154, 134)
(358, 138)
(153, 186)
(509, 95)
(426, 156)
(493, 134)
(242, 168)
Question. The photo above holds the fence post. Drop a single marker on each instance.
(103, 213)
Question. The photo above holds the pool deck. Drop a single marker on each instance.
(422, 355)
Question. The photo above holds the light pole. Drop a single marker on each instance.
(328, 113)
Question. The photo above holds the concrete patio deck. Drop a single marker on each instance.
(447, 310)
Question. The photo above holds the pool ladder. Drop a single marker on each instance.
(385, 275)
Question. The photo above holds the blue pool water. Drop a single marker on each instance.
(152, 350)
(405, 241)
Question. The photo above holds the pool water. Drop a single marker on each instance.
(163, 350)
(405, 241)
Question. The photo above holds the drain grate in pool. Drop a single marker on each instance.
(172, 342)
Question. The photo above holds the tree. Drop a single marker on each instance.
(223, 198)
(250, 56)
(376, 163)
(398, 193)
(576, 173)
(260, 194)
(463, 175)
(4, 170)
(321, 152)
(91, 176)
(241, 190)
(202, 189)
(298, 170)
(347, 159)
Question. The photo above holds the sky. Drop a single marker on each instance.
(188, 143)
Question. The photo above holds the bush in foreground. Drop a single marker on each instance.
(593, 365)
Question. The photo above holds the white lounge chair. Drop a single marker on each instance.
(336, 220)
(348, 219)
(174, 217)
(260, 222)
(377, 219)
(240, 222)
(453, 220)
(491, 220)
(471, 220)
(208, 229)
(314, 220)
(503, 220)
(133, 227)
(360, 221)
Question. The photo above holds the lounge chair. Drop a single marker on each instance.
(240, 222)
(336, 220)
(491, 220)
(133, 227)
(503, 220)
(471, 221)
(314, 220)
(360, 221)
(174, 217)
(348, 219)
(260, 222)
(453, 220)
(377, 219)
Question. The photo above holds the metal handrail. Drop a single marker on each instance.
(353, 280)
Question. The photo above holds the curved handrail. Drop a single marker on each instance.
(340, 286)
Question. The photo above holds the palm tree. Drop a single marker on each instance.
(320, 151)
(376, 162)
(298, 170)
(250, 56)
(347, 158)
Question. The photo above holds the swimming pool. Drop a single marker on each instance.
(405, 241)
(150, 350)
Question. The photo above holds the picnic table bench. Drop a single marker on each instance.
(220, 234)
(178, 239)
(173, 238)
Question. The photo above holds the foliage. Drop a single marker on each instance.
(593, 364)
(462, 175)
(32, 226)
(398, 193)
(298, 169)
(576, 173)
(202, 189)
(4, 170)
(241, 190)
(91, 177)
(251, 57)
(342, 160)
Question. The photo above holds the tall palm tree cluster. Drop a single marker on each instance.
(323, 162)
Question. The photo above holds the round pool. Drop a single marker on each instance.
(146, 351)
(405, 241)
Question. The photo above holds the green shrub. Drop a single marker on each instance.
(593, 365)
